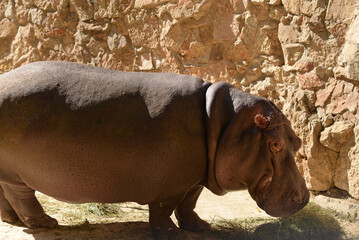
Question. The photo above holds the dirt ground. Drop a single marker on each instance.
(135, 225)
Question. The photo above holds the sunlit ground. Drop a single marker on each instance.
(313, 222)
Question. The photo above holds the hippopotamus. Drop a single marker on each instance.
(87, 134)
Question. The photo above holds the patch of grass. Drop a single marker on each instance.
(313, 222)
(74, 214)
(101, 209)
(237, 228)
(351, 217)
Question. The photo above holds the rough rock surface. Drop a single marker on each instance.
(303, 55)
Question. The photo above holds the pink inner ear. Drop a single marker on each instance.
(261, 121)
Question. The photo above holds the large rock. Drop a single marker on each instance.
(83, 8)
(292, 52)
(36, 16)
(335, 136)
(107, 9)
(144, 62)
(344, 98)
(313, 7)
(353, 173)
(310, 80)
(320, 160)
(143, 29)
(8, 29)
(339, 137)
(292, 6)
(348, 61)
(287, 34)
(227, 29)
(116, 42)
(190, 9)
(23, 47)
(340, 10)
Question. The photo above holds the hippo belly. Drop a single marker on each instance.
(88, 169)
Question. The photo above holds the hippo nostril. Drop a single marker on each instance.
(298, 198)
(306, 198)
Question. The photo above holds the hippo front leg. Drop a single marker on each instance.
(26, 206)
(7, 213)
(187, 218)
(162, 227)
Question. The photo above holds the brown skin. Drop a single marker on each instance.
(255, 151)
(85, 134)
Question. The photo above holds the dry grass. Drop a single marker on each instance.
(313, 222)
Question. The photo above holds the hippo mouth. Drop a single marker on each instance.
(264, 182)
(277, 199)
(283, 209)
(258, 191)
(279, 202)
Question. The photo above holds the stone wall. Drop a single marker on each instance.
(302, 54)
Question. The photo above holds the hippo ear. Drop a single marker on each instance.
(261, 121)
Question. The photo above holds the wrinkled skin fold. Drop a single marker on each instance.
(87, 134)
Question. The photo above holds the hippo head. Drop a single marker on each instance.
(251, 145)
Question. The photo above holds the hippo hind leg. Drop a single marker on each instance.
(7, 213)
(187, 218)
(27, 207)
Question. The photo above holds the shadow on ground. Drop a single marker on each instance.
(103, 231)
(311, 223)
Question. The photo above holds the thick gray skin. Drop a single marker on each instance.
(86, 134)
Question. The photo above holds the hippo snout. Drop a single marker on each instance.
(281, 202)
(288, 205)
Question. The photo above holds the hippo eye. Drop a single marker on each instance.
(275, 147)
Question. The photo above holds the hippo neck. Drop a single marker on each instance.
(212, 183)
(225, 106)
(218, 114)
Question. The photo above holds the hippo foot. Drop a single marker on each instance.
(171, 233)
(166, 229)
(193, 223)
(44, 221)
(9, 216)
